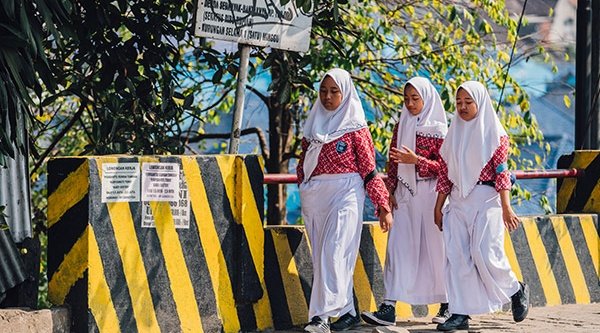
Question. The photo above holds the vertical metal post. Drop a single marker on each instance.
(234, 141)
(582, 75)
(595, 78)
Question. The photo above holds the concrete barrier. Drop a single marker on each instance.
(119, 275)
(558, 256)
(55, 320)
(582, 194)
(127, 266)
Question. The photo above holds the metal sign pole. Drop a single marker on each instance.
(234, 141)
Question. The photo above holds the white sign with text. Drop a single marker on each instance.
(255, 22)
(120, 182)
(160, 181)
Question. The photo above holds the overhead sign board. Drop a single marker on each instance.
(255, 22)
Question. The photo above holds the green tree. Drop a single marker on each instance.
(121, 75)
(29, 31)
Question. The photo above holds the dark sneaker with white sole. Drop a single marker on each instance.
(455, 322)
(520, 303)
(442, 315)
(385, 316)
(345, 322)
(317, 325)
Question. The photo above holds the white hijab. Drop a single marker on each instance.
(323, 126)
(470, 145)
(431, 121)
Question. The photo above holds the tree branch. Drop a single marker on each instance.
(262, 97)
(57, 138)
(252, 130)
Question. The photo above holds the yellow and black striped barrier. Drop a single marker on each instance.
(558, 256)
(119, 276)
(224, 272)
(582, 194)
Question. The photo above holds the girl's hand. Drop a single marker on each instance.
(385, 220)
(438, 218)
(404, 155)
(392, 201)
(511, 221)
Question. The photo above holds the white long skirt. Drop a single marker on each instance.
(332, 209)
(414, 262)
(479, 276)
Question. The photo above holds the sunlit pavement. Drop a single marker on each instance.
(560, 319)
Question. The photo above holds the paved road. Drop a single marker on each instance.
(571, 318)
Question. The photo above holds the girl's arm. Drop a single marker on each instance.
(300, 166)
(392, 171)
(503, 183)
(392, 167)
(499, 160)
(437, 211)
(511, 221)
(365, 160)
(443, 187)
(429, 164)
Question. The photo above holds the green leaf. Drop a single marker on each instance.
(527, 117)
(336, 11)
(9, 7)
(189, 100)
(307, 6)
(217, 76)
(567, 101)
(12, 42)
(284, 93)
(452, 15)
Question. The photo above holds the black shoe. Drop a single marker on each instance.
(442, 315)
(345, 322)
(317, 325)
(455, 322)
(385, 316)
(520, 303)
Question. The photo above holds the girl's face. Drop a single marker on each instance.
(330, 94)
(412, 100)
(465, 105)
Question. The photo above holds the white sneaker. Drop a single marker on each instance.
(317, 325)
(442, 315)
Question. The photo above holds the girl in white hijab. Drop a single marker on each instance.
(336, 167)
(414, 262)
(475, 176)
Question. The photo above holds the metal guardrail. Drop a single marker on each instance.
(552, 173)
(290, 178)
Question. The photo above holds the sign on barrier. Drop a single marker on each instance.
(120, 182)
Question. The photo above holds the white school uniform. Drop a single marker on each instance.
(415, 258)
(332, 204)
(414, 265)
(332, 209)
(479, 277)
